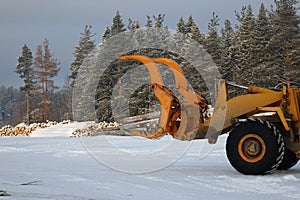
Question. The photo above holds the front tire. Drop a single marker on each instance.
(255, 147)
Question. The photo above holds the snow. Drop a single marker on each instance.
(50, 165)
(61, 130)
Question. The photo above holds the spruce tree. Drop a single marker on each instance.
(193, 30)
(159, 20)
(243, 72)
(110, 48)
(106, 34)
(158, 30)
(180, 27)
(12, 111)
(133, 25)
(179, 36)
(149, 22)
(117, 26)
(212, 42)
(286, 39)
(46, 69)
(240, 16)
(263, 71)
(85, 45)
(262, 35)
(26, 72)
(228, 53)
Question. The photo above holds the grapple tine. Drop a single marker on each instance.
(189, 125)
(164, 96)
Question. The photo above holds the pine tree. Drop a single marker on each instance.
(240, 16)
(117, 26)
(106, 34)
(263, 71)
(133, 25)
(85, 45)
(212, 42)
(180, 27)
(25, 71)
(12, 111)
(243, 72)
(262, 30)
(103, 93)
(159, 20)
(228, 53)
(158, 30)
(193, 30)
(179, 37)
(149, 22)
(286, 39)
(46, 68)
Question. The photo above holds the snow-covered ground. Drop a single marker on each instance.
(59, 130)
(117, 168)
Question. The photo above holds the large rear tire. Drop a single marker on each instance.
(289, 160)
(255, 147)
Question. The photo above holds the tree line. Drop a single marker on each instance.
(261, 49)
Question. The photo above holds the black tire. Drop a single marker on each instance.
(255, 147)
(289, 160)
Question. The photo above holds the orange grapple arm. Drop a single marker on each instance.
(169, 104)
(190, 113)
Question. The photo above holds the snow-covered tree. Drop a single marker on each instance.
(181, 27)
(286, 39)
(262, 35)
(264, 72)
(117, 26)
(149, 22)
(133, 25)
(228, 53)
(212, 42)
(84, 47)
(243, 72)
(159, 20)
(106, 34)
(193, 31)
(179, 36)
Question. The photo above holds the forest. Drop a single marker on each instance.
(259, 48)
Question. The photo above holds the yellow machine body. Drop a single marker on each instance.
(194, 124)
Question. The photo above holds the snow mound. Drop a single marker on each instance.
(59, 130)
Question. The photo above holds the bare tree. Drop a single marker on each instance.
(46, 68)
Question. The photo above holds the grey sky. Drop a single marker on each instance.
(61, 21)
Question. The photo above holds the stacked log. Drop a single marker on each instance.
(114, 128)
(25, 130)
(93, 129)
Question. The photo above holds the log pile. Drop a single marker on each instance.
(93, 129)
(119, 129)
(25, 130)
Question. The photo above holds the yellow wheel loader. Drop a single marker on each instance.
(263, 125)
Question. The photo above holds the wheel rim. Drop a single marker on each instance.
(252, 148)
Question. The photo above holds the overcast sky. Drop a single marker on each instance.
(61, 21)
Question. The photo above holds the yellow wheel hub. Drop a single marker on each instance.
(252, 148)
